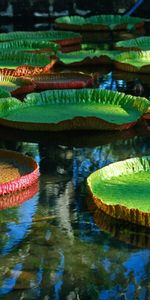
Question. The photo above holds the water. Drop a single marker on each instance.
(57, 244)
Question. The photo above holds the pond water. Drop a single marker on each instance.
(57, 244)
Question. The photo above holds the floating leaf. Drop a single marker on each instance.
(133, 234)
(15, 86)
(133, 61)
(29, 45)
(16, 198)
(99, 22)
(17, 171)
(25, 63)
(141, 43)
(4, 93)
(122, 190)
(13, 59)
(62, 37)
(63, 80)
(87, 57)
(59, 110)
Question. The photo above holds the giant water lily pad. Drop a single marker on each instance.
(30, 45)
(133, 61)
(61, 37)
(87, 57)
(140, 43)
(147, 114)
(25, 63)
(99, 22)
(122, 190)
(73, 109)
(17, 198)
(4, 93)
(17, 171)
(130, 233)
(13, 59)
(15, 85)
(63, 80)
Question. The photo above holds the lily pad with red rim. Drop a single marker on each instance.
(34, 46)
(99, 22)
(16, 85)
(122, 190)
(17, 171)
(25, 63)
(82, 109)
(17, 198)
(133, 61)
(63, 80)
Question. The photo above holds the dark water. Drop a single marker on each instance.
(57, 244)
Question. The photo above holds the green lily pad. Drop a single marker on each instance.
(59, 110)
(4, 93)
(61, 37)
(99, 22)
(133, 61)
(13, 59)
(19, 63)
(95, 46)
(130, 233)
(141, 43)
(87, 57)
(29, 45)
(122, 189)
(15, 85)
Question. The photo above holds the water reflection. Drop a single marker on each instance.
(53, 248)
(14, 199)
(138, 236)
(130, 83)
